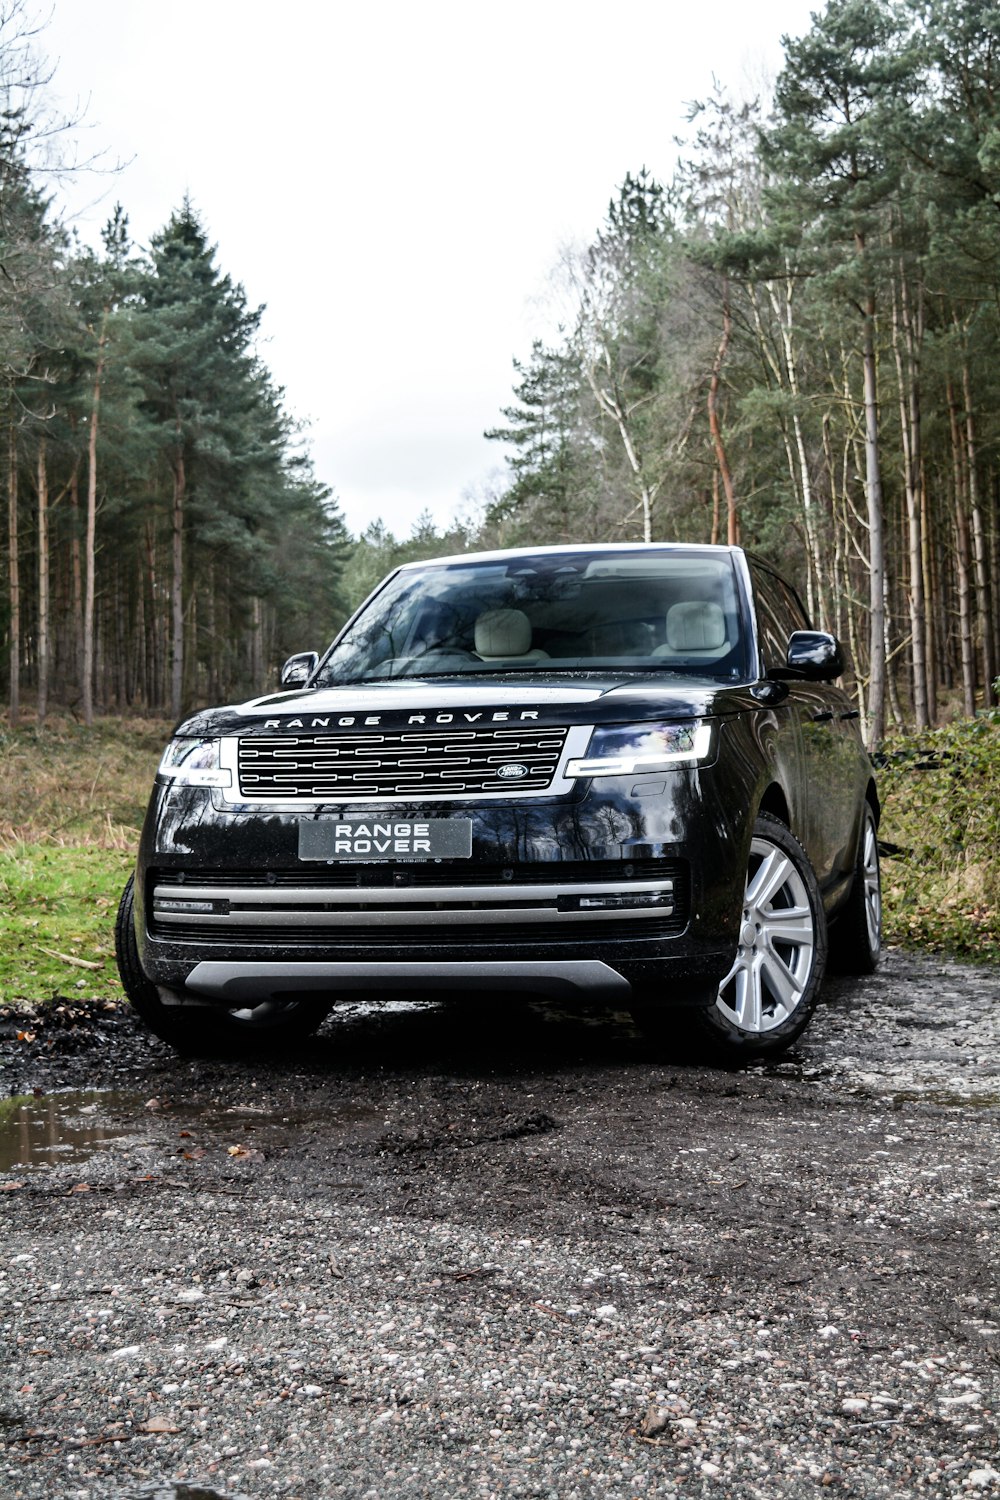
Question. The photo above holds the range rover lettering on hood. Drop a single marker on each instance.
(372, 721)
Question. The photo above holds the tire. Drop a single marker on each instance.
(767, 998)
(856, 931)
(202, 1030)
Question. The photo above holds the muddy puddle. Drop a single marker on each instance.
(57, 1128)
(68, 1127)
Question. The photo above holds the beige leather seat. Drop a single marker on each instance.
(505, 635)
(695, 628)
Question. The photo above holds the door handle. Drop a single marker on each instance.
(852, 713)
(824, 717)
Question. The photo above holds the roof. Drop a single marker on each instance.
(574, 549)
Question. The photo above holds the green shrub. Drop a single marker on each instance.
(940, 795)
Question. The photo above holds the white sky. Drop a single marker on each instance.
(394, 181)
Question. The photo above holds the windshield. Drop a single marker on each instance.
(675, 611)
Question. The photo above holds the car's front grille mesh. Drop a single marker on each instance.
(325, 943)
(332, 767)
(431, 873)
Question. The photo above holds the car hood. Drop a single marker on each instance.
(466, 702)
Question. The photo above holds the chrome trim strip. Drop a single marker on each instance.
(512, 895)
(233, 981)
(449, 917)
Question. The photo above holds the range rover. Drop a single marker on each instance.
(620, 773)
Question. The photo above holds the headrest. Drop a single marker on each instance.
(696, 626)
(503, 632)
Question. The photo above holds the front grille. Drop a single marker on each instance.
(333, 767)
(446, 872)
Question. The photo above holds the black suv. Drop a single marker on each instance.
(620, 773)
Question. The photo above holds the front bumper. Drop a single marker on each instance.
(608, 890)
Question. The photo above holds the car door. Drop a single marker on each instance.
(825, 795)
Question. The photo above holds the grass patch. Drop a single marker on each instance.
(72, 802)
(941, 808)
(57, 913)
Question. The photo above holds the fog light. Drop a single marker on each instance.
(625, 901)
(160, 904)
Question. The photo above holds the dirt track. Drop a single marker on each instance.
(434, 1254)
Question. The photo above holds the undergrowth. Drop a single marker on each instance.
(940, 795)
(72, 802)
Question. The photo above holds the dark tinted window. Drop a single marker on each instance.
(779, 613)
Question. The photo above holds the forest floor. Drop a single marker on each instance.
(440, 1252)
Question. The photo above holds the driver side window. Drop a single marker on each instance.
(779, 613)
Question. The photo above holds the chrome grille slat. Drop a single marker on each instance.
(330, 766)
(389, 896)
(351, 917)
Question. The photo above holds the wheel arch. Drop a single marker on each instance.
(775, 802)
(871, 797)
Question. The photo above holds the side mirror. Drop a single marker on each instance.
(814, 655)
(299, 668)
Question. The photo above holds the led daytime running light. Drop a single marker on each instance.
(626, 764)
(194, 763)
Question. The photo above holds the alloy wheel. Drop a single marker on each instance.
(777, 944)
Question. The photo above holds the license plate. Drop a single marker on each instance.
(429, 838)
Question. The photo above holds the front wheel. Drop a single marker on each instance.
(206, 1030)
(769, 994)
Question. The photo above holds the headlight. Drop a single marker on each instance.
(618, 751)
(194, 763)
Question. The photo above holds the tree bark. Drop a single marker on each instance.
(721, 458)
(962, 562)
(43, 584)
(14, 579)
(177, 583)
(909, 337)
(76, 582)
(983, 606)
(783, 313)
(876, 540)
(90, 550)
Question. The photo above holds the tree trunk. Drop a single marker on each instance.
(716, 428)
(177, 585)
(983, 606)
(13, 578)
(89, 550)
(927, 568)
(152, 634)
(908, 379)
(962, 563)
(43, 584)
(876, 542)
(77, 579)
(783, 311)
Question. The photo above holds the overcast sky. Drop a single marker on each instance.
(395, 182)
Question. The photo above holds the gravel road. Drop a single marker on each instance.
(440, 1254)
